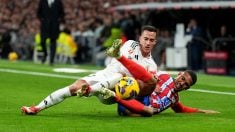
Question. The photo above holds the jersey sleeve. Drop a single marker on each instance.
(128, 48)
(131, 50)
(180, 108)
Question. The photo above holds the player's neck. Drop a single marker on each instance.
(144, 54)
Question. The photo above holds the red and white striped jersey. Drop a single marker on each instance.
(167, 97)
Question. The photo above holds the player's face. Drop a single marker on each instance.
(147, 41)
(183, 81)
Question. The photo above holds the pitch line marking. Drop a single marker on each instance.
(210, 91)
(78, 77)
(38, 73)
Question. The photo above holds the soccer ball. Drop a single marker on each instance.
(12, 56)
(127, 88)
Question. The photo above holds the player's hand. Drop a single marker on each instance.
(209, 111)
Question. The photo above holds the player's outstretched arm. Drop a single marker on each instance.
(180, 108)
(208, 111)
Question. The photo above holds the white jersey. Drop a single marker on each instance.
(131, 50)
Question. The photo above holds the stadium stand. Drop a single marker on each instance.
(86, 21)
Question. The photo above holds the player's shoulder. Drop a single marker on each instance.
(131, 43)
(166, 78)
(163, 73)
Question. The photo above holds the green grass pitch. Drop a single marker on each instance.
(19, 85)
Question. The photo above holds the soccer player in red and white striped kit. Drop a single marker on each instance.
(165, 94)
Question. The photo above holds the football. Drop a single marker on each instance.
(127, 88)
(12, 56)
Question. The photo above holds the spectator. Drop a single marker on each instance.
(17, 15)
(66, 48)
(82, 38)
(21, 44)
(222, 43)
(50, 13)
(5, 44)
(195, 46)
(100, 48)
(159, 52)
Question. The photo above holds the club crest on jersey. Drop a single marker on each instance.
(130, 51)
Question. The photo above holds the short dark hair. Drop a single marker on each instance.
(193, 76)
(149, 28)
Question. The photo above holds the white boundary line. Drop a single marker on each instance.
(38, 73)
(210, 91)
(77, 77)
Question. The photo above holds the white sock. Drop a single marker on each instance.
(110, 83)
(54, 98)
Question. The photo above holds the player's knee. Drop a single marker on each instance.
(76, 86)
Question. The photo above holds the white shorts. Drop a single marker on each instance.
(97, 77)
(103, 77)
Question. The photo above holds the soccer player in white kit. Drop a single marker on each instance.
(140, 52)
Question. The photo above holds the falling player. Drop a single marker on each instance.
(140, 52)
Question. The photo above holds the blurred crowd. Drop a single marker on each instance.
(19, 24)
(90, 22)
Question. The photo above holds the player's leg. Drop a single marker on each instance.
(113, 51)
(55, 97)
(80, 87)
(97, 81)
(52, 99)
(147, 81)
(52, 50)
(138, 71)
(135, 69)
(108, 83)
